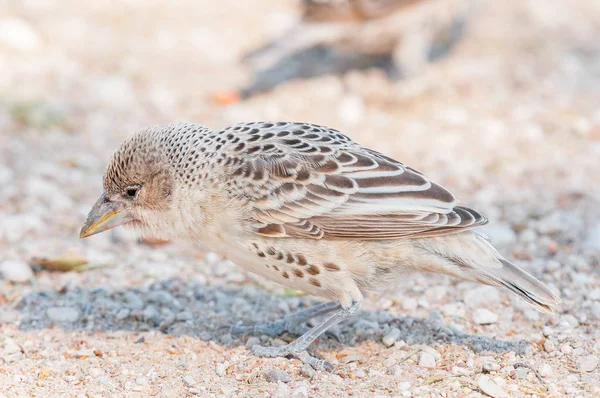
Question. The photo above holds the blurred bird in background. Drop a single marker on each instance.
(336, 36)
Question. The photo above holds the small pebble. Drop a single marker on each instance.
(490, 387)
(133, 300)
(566, 349)
(483, 316)
(521, 373)
(184, 316)
(307, 371)
(189, 380)
(11, 347)
(549, 346)
(350, 358)
(63, 314)
(404, 386)
(588, 363)
(282, 391)
(578, 351)
(275, 375)
(426, 360)
(16, 271)
(490, 366)
(252, 341)
(96, 372)
(546, 370)
(360, 373)
(391, 337)
(220, 369)
(300, 392)
(569, 320)
(278, 343)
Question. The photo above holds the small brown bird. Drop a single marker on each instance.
(336, 36)
(305, 206)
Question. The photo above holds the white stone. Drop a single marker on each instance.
(491, 366)
(16, 271)
(453, 309)
(566, 349)
(63, 314)
(11, 347)
(404, 385)
(549, 346)
(483, 316)
(96, 372)
(220, 369)
(189, 380)
(426, 360)
(391, 337)
(282, 391)
(588, 363)
(489, 387)
(569, 321)
(546, 370)
(300, 392)
(431, 351)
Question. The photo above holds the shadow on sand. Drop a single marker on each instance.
(177, 307)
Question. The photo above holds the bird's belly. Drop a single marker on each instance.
(311, 271)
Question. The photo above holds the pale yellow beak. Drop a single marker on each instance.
(105, 215)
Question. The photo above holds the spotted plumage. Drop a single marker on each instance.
(302, 205)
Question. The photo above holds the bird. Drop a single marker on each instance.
(337, 36)
(305, 206)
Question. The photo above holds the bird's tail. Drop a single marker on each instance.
(472, 257)
(513, 278)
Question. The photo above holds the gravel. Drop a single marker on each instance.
(509, 122)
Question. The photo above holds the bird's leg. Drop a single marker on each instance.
(291, 323)
(297, 348)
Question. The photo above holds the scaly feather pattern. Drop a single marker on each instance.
(310, 181)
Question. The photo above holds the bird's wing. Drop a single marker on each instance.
(303, 180)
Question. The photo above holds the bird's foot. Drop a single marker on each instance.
(277, 328)
(293, 351)
(271, 329)
(294, 323)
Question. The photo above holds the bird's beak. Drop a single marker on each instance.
(105, 215)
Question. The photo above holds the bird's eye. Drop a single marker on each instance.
(131, 192)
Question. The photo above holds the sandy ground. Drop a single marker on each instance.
(510, 122)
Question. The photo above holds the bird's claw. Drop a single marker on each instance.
(288, 350)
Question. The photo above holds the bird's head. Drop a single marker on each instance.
(138, 185)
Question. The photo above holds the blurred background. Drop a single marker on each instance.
(497, 101)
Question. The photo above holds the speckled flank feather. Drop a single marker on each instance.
(307, 207)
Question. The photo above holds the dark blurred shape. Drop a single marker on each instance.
(336, 36)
